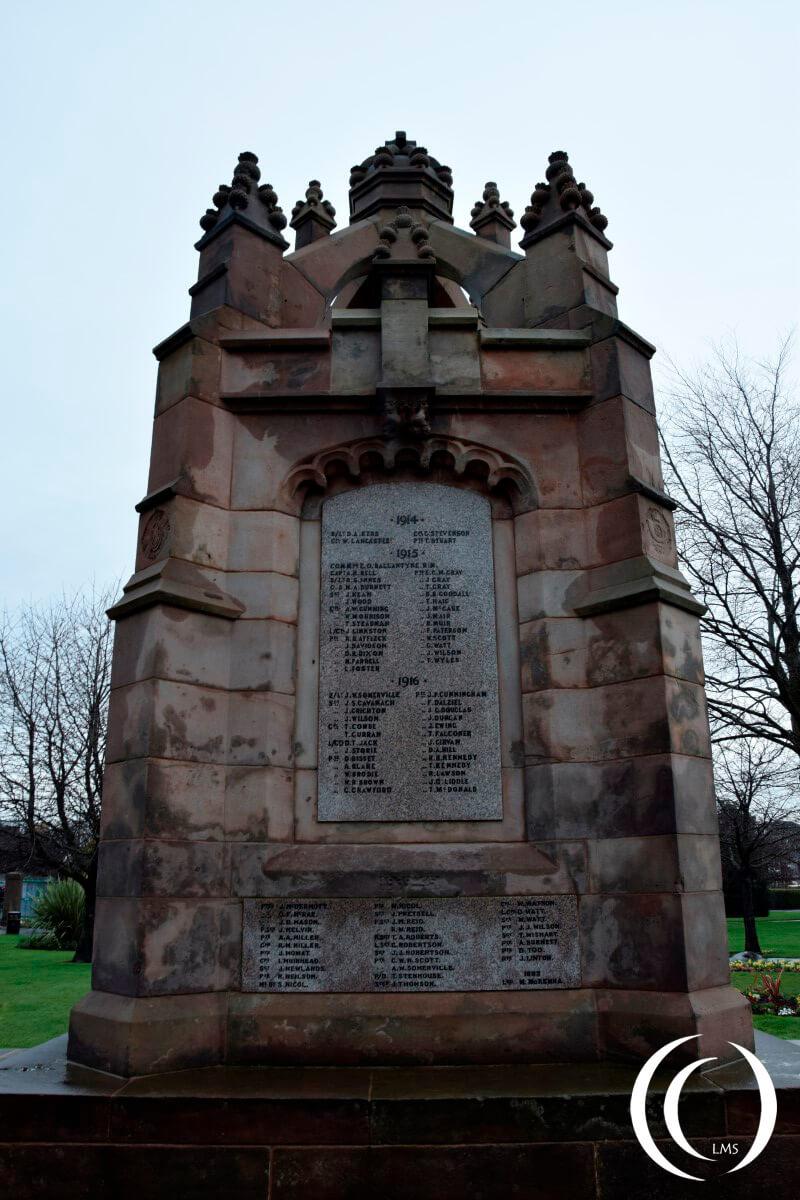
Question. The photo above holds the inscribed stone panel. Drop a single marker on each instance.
(408, 708)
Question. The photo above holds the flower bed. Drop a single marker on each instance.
(765, 964)
(767, 996)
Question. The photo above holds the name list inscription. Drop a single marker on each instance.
(442, 944)
(408, 714)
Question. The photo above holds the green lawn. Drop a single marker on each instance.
(779, 934)
(37, 990)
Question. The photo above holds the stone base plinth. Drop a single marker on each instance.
(487, 1133)
(128, 1035)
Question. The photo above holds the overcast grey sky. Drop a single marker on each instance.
(121, 120)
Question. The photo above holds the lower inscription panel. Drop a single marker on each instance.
(441, 944)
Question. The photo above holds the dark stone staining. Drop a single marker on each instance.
(300, 375)
(170, 820)
(683, 705)
(159, 665)
(610, 660)
(534, 652)
(193, 953)
(691, 664)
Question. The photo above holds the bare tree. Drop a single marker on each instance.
(732, 450)
(757, 801)
(55, 673)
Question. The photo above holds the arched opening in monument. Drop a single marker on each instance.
(365, 292)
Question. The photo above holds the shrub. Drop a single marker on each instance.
(57, 916)
(38, 941)
(784, 897)
(771, 985)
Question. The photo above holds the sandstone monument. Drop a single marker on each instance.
(408, 757)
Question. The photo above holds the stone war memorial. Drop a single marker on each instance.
(409, 855)
(408, 757)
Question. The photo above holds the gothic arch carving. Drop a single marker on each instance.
(461, 460)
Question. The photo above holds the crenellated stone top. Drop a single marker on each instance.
(244, 200)
(559, 195)
(401, 172)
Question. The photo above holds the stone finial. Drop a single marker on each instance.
(243, 195)
(492, 218)
(401, 172)
(404, 239)
(313, 217)
(561, 193)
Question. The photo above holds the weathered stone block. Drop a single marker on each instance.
(264, 594)
(550, 540)
(262, 656)
(190, 370)
(263, 541)
(646, 795)
(632, 1022)
(655, 715)
(149, 947)
(454, 360)
(126, 1035)
(355, 361)
(641, 434)
(647, 639)
(172, 643)
(618, 442)
(163, 719)
(260, 729)
(264, 372)
(287, 442)
(619, 369)
(553, 654)
(407, 1028)
(158, 798)
(259, 804)
(661, 863)
(614, 531)
(161, 868)
(546, 443)
(548, 593)
(559, 371)
(193, 444)
(556, 282)
(186, 529)
(705, 933)
(633, 941)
